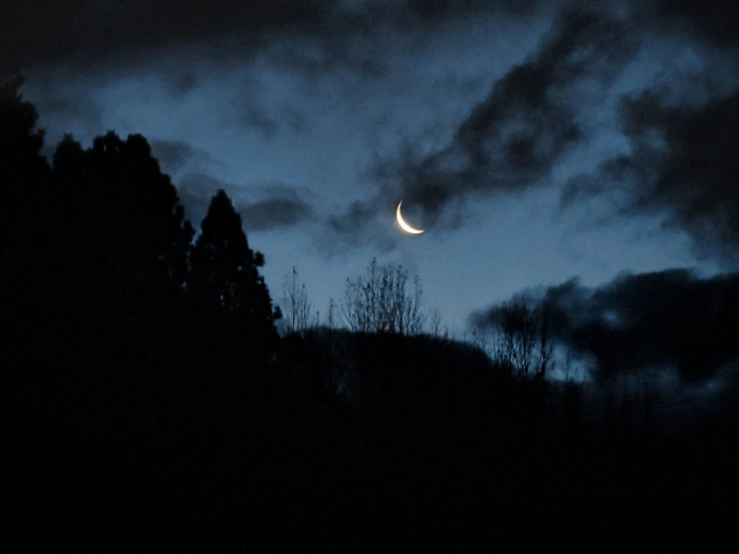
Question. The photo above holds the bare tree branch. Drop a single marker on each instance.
(297, 310)
(525, 344)
(380, 303)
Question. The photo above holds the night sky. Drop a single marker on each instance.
(535, 142)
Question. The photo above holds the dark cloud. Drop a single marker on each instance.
(293, 119)
(534, 117)
(79, 107)
(195, 191)
(262, 207)
(48, 32)
(683, 165)
(530, 120)
(181, 82)
(664, 320)
(254, 107)
(175, 155)
(274, 213)
(57, 103)
(709, 22)
(283, 207)
(315, 56)
(256, 118)
(439, 10)
(45, 33)
(512, 139)
(269, 122)
(358, 36)
(358, 226)
(362, 224)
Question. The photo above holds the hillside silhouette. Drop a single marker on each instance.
(151, 401)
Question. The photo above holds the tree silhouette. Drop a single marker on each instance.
(23, 170)
(118, 190)
(525, 343)
(435, 326)
(23, 213)
(141, 210)
(378, 302)
(20, 141)
(297, 311)
(331, 314)
(225, 273)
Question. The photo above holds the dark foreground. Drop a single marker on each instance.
(432, 457)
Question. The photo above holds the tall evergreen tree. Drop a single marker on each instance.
(121, 213)
(138, 208)
(225, 273)
(23, 252)
(23, 171)
(20, 141)
(120, 243)
(23, 229)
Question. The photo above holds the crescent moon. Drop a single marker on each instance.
(403, 225)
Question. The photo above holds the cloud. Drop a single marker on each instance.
(87, 33)
(81, 107)
(683, 165)
(709, 22)
(256, 118)
(262, 207)
(669, 319)
(512, 139)
(537, 115)
(254, 114)
(531, 119)
(175, 155)
(284, 207)
(48, 33)
(64, 102)
(441, 10)
(195, 191)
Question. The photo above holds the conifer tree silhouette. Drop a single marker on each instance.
(22, 168)
(225, 274)
(23, 180)
(136, 209)
(20, 141)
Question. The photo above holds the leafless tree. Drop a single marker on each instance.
(297, 311)
(525, 343)
(435, 322)
(479, 337)
(569, 372)
(331, 314)
(378, 302)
